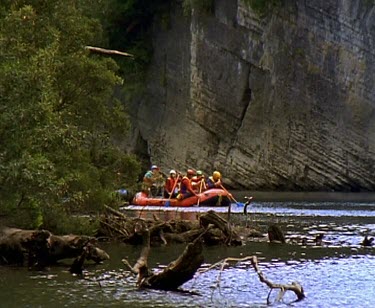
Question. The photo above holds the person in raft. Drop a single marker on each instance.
(186, 190)
(150, 180)
(214, 181)
(171, 185)
(198, 182)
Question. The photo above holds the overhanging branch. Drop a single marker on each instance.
(109, 51)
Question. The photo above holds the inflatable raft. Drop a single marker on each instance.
(210, 197)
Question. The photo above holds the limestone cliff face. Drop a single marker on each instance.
(286, 102)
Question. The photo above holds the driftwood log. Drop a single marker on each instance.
(19, 246)
(71, 246)
(41, 248)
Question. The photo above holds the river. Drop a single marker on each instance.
(338, 273)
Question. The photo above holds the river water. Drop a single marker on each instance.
(337, 273)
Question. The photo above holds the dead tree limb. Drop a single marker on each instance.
(116, 224)
(140, 267)
(294, 286)
(116, 213)
(181, 270)
(122, 232)
(77, 265)
(176, 273)
(109, 51)
(157, 230)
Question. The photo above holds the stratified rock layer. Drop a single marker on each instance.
(285, 102)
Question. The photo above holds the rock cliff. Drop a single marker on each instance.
(283, 102)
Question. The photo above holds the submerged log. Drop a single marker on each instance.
(77, 265)
(87, 253)
(275, 235)
(231, 237)
(367, 242)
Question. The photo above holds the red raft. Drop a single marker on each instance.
(210, 197)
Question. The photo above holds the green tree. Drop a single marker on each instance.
(59, 119)
(128, 25)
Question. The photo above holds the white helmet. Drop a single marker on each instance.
(172, 172)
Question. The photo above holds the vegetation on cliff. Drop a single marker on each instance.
(58, 117)
(128, 25)
(201, 6)
(262, 7)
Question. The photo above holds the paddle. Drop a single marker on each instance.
(231, 196)
(168, 202)
(200, 190)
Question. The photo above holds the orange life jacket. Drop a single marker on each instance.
(170, 184)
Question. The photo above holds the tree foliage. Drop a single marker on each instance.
(128, 26)
(58, 115)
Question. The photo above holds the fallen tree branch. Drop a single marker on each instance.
(109, 51)
(176, 273)
(123, 232)
(116, 224)
(181, 270)
(294, 286)
(140, 267)
(116, 213)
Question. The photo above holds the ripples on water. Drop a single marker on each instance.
(334, 282)
(340, 273)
